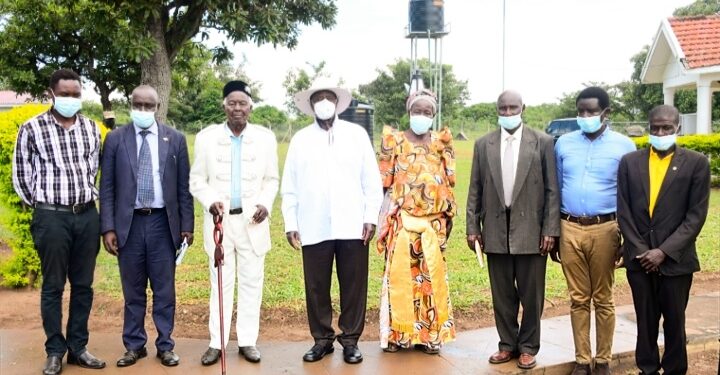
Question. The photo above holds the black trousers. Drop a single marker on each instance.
(148, 255)
(655, 295)
(67, 245)
(515, 280)
(351, 257)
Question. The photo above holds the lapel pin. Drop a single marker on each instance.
(165, 139)
(674, 168)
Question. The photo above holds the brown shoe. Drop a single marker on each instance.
(501, 356)
(526, 361)
(601, 369)
(581, 369)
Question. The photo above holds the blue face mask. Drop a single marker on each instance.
(67, 106)
(142, 119)
(663, 143)
(420, 124)
(589, 124)
(510, 122)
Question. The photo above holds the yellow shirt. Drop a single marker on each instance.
(658, 169)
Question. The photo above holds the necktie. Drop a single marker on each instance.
(146, 193)
(508, 171)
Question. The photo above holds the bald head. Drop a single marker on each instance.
(145, 98)
(509, 103)
(666, 112)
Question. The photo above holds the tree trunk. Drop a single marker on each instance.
(155, 70)
(104, 92)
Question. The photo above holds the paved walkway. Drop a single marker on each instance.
(21, 352)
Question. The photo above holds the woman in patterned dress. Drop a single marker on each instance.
(418, 170)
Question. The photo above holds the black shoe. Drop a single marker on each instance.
(131, 356)
(210, 357)
(168, 358)
(251, 353)
(352, 355)
(53, 365)
(317, 352)
(85, 360)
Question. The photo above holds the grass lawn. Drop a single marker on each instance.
(283, 265)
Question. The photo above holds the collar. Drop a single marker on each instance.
(52, 118)
(504, 134)
(602, 135)
(334, 125)
(229, 132)
(656, 156)
(152, 129)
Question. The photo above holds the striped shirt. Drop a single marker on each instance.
(55, 165)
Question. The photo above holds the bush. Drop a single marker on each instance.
(23, 266)
(708, 144)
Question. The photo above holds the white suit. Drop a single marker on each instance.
(245, 243)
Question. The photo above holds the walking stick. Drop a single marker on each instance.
(219, 258)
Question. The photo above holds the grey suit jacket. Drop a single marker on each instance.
(118, 181)
(680, 210)
(535, 210)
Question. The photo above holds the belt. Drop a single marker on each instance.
(148, 211)
(236, 211)
(589, 220)
(72, 208)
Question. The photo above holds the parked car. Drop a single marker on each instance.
(561, 126)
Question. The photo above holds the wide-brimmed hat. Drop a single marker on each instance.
(302, 99)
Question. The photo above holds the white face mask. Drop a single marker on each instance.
(324, 109)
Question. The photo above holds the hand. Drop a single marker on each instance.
(547, 243)
(368, 233)
(619, 259)
(110, 242)
(260, 214)
(651, 260)
(293, 239)
(219, 256)
(216, 208)
(187, 236)
(471, 238)
(555, 253)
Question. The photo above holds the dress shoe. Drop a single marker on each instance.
(501, 356)
(601, 369)
(168, 358)
(53, 365)
(251, 353)
(210, 357)
(526, 361)
(317, 352)
(581, 369)
(431, 349)
(85, 360)
(352, 355)
(131, 356)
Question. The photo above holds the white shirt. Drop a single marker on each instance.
(152, 138)
(331, 183)
(515, 144)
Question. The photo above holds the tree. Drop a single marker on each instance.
(698, 8)
(167, 25)
(388, 92)
(40, 36)
(298, 79)
(269, 116)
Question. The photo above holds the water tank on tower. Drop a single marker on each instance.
(427, 16)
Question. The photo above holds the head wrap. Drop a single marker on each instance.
(423, 94)
(236, 86)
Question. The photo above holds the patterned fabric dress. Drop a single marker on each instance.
(415, 302)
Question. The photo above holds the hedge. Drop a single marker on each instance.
(22, 267)
(708, 144)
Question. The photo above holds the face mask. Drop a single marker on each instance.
(142, 119)
(510, 122)
(66, 106)
(324, 109)
(420, 124)
(589, 124)
(663, 143)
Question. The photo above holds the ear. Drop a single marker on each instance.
(605, 113)
(677, 130)
(523, 108)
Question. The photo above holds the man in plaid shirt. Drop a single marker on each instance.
(54, 169)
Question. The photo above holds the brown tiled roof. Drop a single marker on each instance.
(12, 98)
(699, 39)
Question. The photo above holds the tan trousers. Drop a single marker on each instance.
(588, 262)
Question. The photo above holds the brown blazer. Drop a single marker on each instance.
(679, 214)
(535, 210)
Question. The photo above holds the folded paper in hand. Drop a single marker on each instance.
(180, 254)
(479, 254)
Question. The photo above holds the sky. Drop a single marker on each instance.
(552, 46)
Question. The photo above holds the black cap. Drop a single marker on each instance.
(236, 86)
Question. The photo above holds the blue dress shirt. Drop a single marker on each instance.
(235, 168)
(587, 171)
